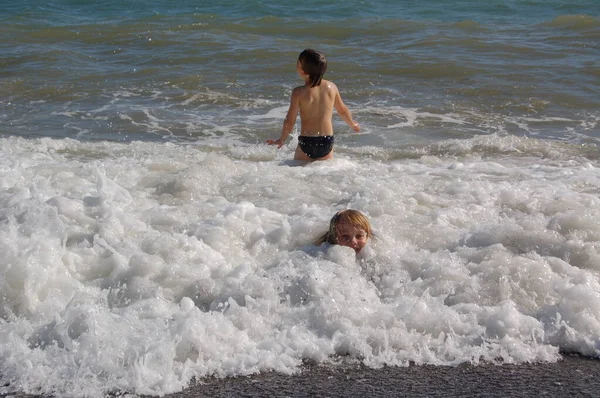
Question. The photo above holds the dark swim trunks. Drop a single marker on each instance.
(316, 147)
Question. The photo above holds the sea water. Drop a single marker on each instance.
(148, 236)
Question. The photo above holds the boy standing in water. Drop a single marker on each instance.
(315, 100)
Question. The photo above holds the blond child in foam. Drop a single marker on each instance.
(348, 228)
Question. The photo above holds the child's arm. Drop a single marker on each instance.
(344, 112)
(290, 119)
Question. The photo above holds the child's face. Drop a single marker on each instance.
(351, 235)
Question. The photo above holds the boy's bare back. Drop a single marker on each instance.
(316, 108)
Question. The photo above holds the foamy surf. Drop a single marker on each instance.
(136, 267)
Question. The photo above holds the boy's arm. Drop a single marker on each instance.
(344, 112)
(290, 119)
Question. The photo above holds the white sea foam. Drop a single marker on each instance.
(135, 267)
(276, 114)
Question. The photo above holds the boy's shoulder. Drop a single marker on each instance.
(329, 84)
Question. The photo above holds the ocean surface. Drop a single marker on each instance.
(149, 237)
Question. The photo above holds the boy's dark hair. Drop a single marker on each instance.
(314, 64)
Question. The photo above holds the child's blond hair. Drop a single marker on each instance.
(349, 216)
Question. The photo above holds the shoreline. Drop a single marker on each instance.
(574, 375)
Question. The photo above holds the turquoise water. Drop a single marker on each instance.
(149, 237)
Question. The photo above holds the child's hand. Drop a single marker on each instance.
(279, 143)
(356, 127)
